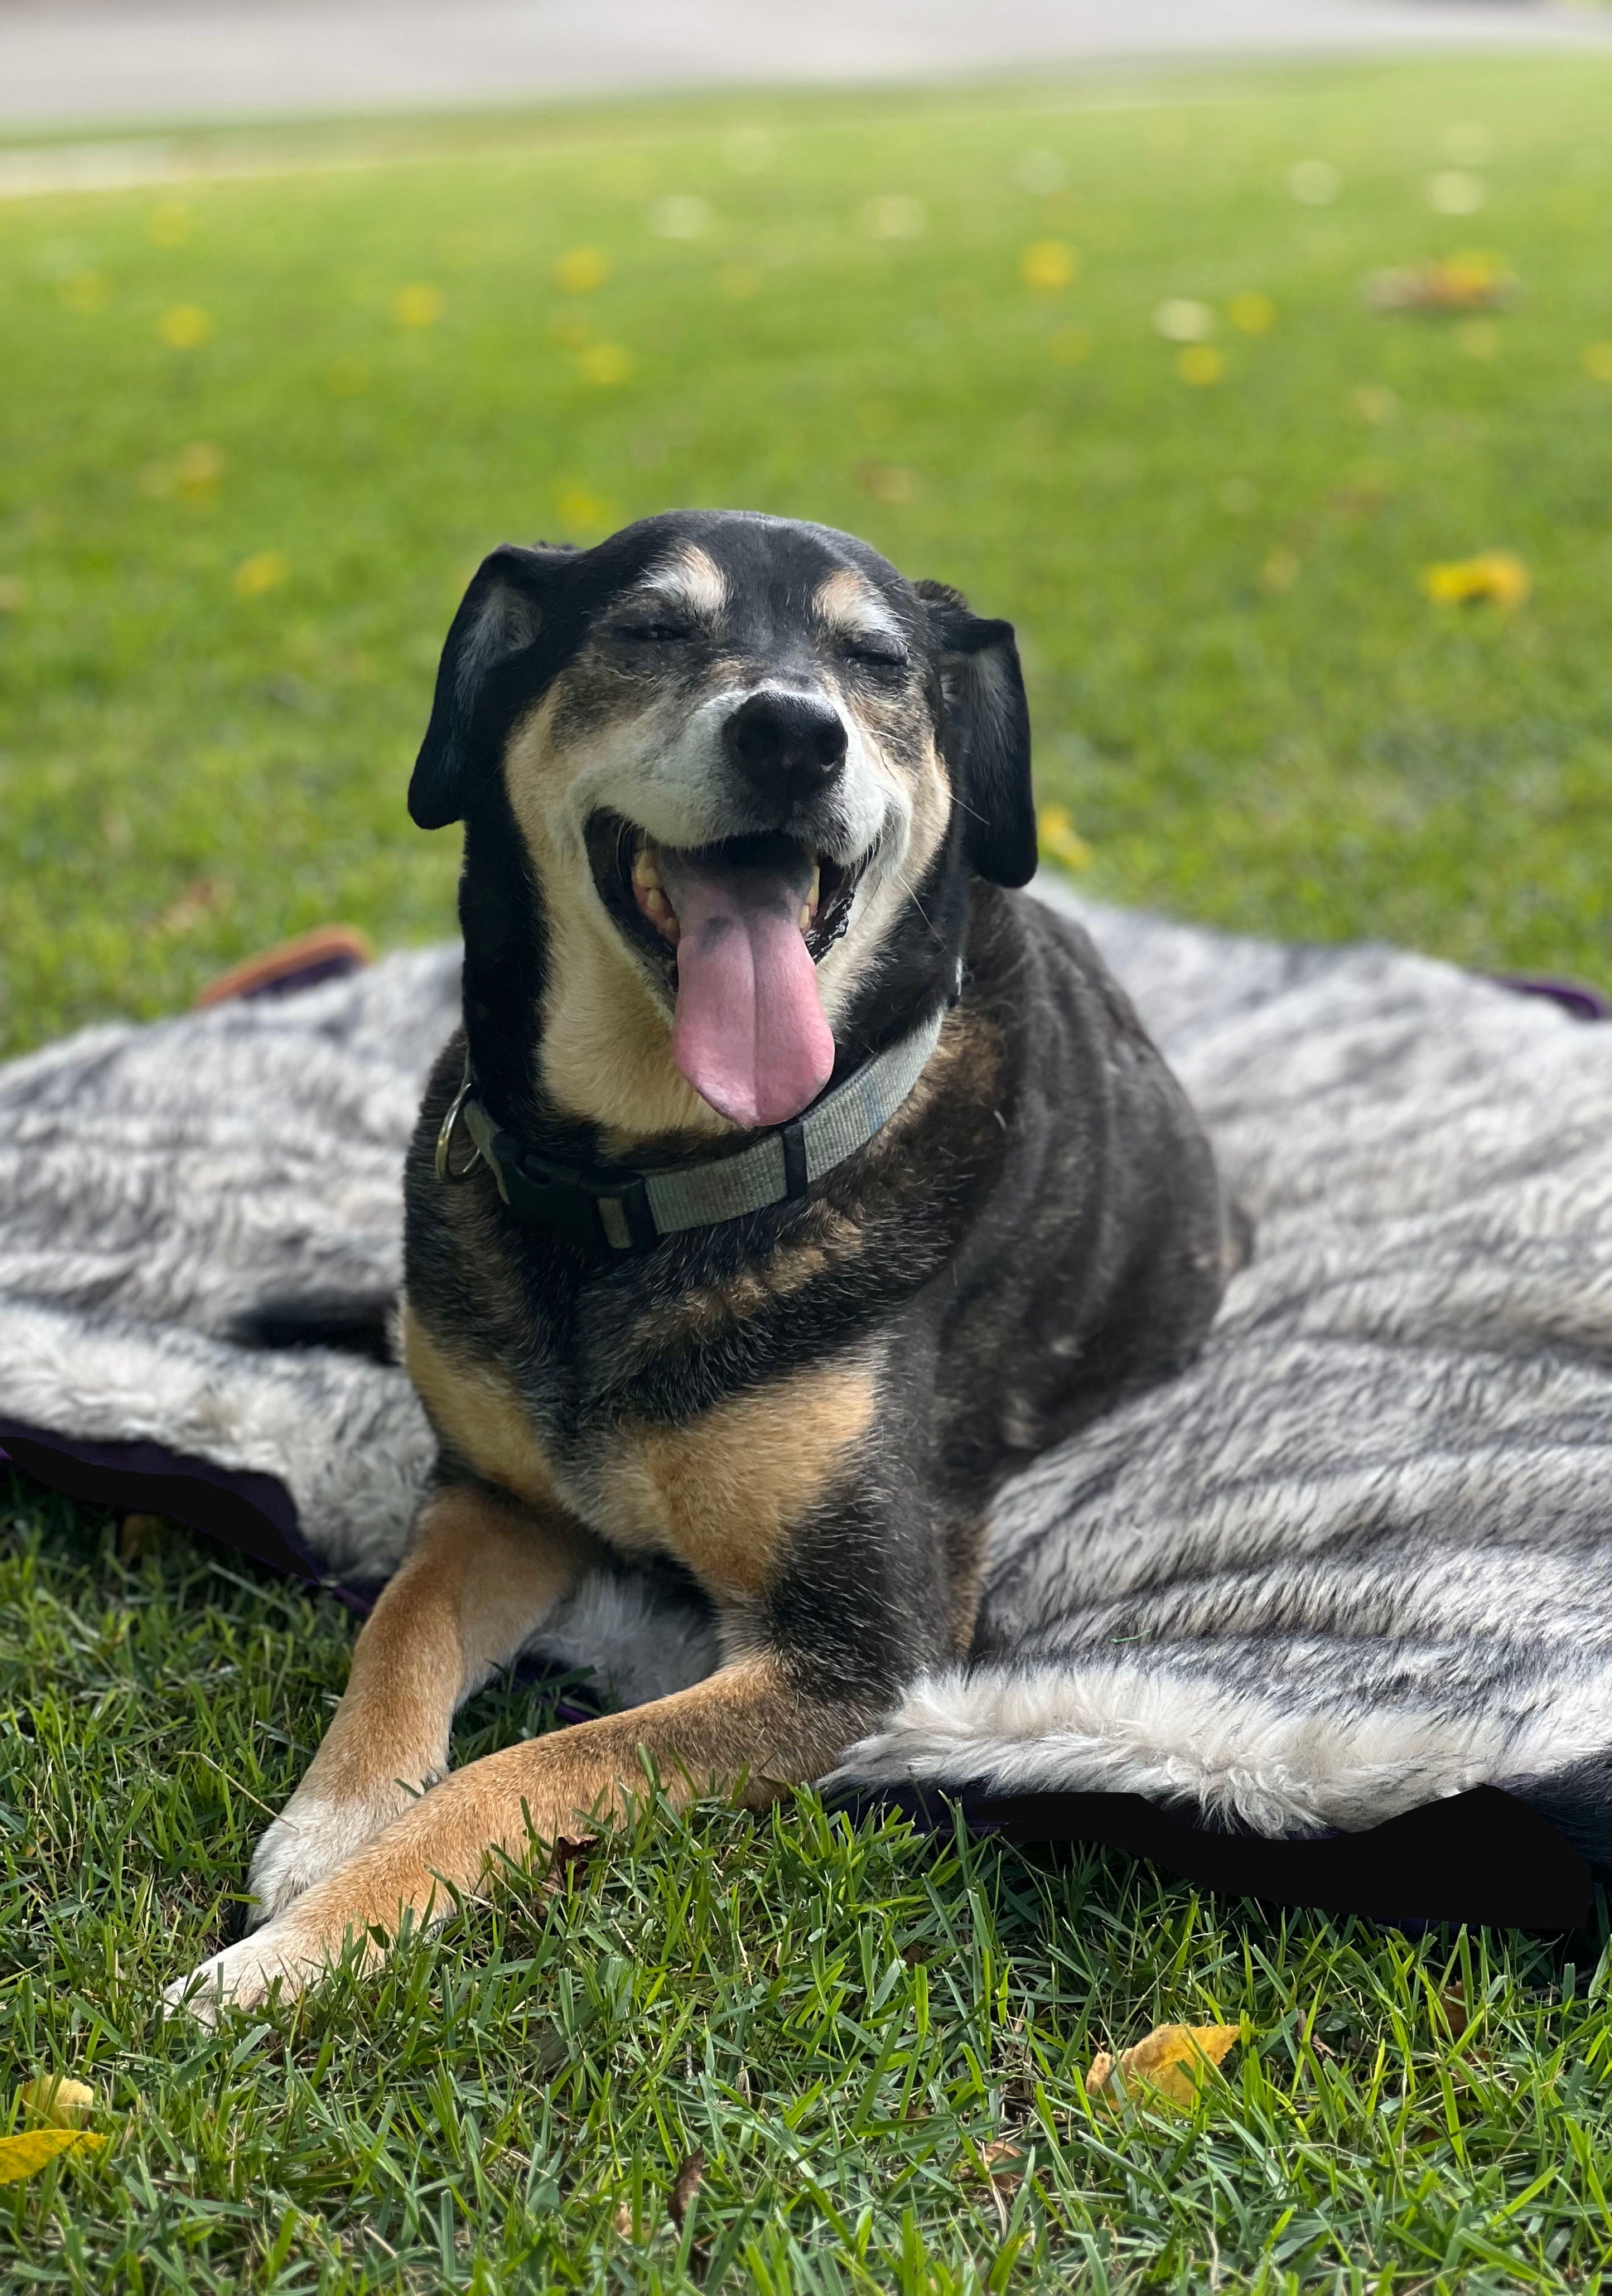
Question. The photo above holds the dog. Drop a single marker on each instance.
(792, 1181)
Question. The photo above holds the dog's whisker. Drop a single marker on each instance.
(911, 890)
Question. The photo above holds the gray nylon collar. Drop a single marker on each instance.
(615, 1211)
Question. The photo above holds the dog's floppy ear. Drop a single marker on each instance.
(506, 606)
(985, 735)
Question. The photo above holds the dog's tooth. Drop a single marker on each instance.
(663, 916)
(804, 919)
(645, 872)
(816, 888)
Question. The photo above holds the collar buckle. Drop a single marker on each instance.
(569, 1203)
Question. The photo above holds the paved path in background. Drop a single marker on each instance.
(77, 63)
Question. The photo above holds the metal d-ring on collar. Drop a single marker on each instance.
(445, 1137)
(621, 1211)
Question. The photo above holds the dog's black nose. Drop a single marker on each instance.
(788, 745)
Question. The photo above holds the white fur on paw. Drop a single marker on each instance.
(243, 1974)
(308, 1840)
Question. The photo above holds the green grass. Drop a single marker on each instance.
(1254, 715)
(840, 2019)
(188, 773)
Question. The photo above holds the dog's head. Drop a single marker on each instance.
(744, 757)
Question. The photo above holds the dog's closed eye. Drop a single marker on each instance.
(653, 633)
(872, 650)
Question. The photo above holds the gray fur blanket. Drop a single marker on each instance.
(1356, 1560)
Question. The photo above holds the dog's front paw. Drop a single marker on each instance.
(242, 1975)
(310, 1838)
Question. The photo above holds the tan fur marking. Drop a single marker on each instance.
(689, 576)
(484, 1573)
(969, 1041)
(481, 1575)
(964, 1560)
(929, 792)
(477, 1415)
(746, 1722)
(845, 602)
(829, 1238)
(724, 1490)
(606, 1054)
(607, 1044)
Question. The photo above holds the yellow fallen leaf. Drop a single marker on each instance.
(37, 2148)
(605, 363)
(583, 269)
(185, 327)
(1047, 265)
(578, 507)
(418, 306)
(1170, 2063)
(1200, 365)
(265, 570)
(1253, 312)
(1499, 575)
(63, 2103)
(1473, 281)
(1060, 840)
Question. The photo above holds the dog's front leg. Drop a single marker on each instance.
(483, 1573)
(751, 1721)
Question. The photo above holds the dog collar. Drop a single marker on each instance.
(621, 1211)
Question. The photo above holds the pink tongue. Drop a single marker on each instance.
(749, 1035)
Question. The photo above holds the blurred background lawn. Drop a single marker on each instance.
(257, 432)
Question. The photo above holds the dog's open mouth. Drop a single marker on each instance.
(736, 929)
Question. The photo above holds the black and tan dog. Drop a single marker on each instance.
(790, 1183)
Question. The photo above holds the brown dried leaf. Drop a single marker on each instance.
(141, 1535)
(196, 900)
(1453, 2003)
(685, 2185)
(1170, 2063)
(1464, 282)
(565, 1855)
(887, 482)
(1002, 2161)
